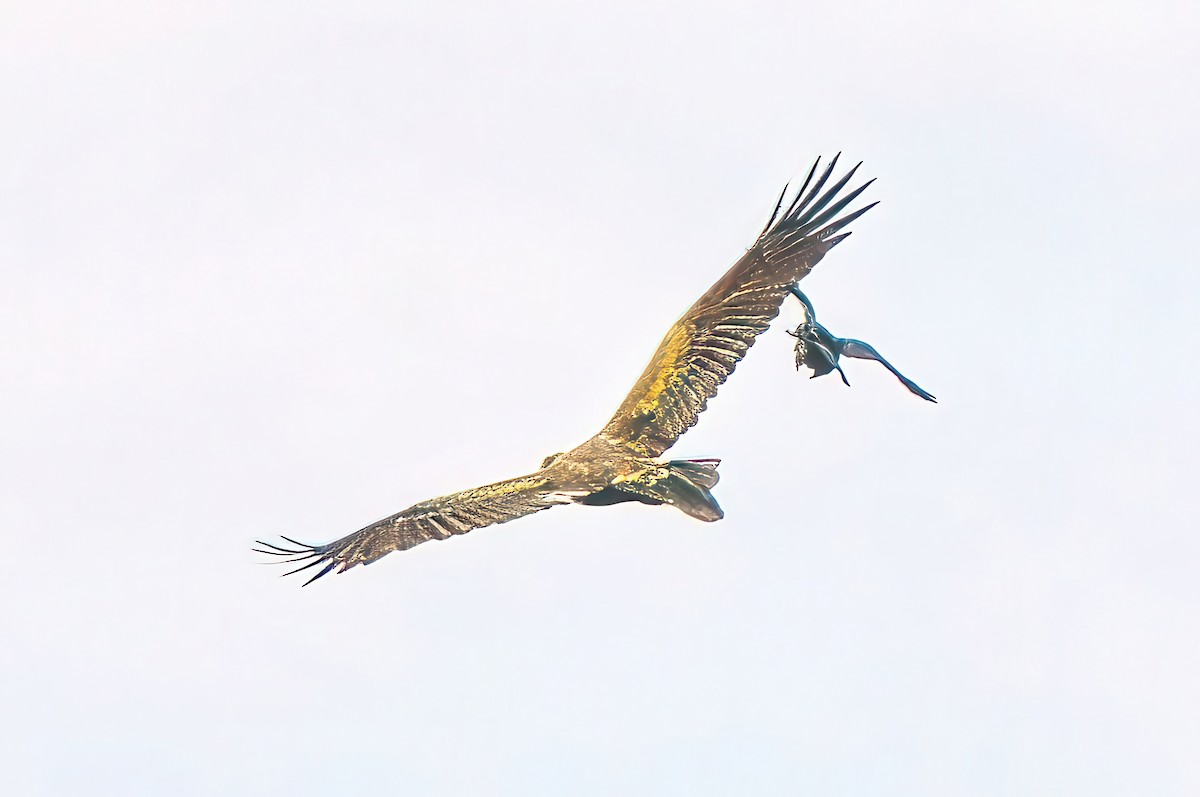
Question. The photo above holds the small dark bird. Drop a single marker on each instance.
(623, 461)
(818, 349)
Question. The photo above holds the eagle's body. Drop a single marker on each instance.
(623, 461)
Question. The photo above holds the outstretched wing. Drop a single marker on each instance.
(435, 519)
(864, 351)
(702, 348)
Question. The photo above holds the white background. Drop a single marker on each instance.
(290, 267)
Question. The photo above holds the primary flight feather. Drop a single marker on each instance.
(622, 462)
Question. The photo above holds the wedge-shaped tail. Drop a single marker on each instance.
(682, 483)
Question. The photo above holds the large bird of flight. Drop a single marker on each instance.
(623, 461)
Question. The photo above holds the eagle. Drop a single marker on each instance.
(623, 462)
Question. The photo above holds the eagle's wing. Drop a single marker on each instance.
(435, 519)
(702, 348)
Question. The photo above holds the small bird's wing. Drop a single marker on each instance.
(436, 519)
(864, 351)
(701, 350)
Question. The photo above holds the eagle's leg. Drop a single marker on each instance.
(805, 334)
(810, 315)
(806, 337)
(800, 333)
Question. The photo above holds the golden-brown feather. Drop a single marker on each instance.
(435, 519)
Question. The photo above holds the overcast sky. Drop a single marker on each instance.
(291, 267)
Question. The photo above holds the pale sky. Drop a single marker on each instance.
(291, 267)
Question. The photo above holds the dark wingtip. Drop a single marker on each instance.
(775, 212)
(803, 188)
(278, 550)
(313, 563)
(800, 204)
(811, 217)
(842, 222)
(305, 555)
(811, 221)
(819, 205)
(325, 570)
(920, 391)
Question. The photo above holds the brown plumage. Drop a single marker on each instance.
(622, 462)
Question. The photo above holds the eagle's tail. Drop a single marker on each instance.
(683, 483)
(687, 487)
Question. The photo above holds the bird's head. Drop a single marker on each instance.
(548, 461)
